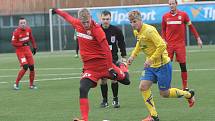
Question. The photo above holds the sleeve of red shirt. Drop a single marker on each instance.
(15, 42)
(192, 28)
(68, 17)
(32, 39)
(163, 31)
(101, 38)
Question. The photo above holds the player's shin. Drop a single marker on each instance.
(177, 93)
(20, 75)
(84, 108)
(31, 77)
(149, 102)
(184, 79)
(115, 87)
(104, 90)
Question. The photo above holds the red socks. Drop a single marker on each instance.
(84, 108)
(184, 79)
(20, 75)
(31, 77)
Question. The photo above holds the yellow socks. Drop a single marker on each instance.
(148, 99)
(176, 93)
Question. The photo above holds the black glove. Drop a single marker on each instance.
(113, 74)
(34, 51)
(25, 44)
(53, 10)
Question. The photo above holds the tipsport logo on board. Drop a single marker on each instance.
(153, 14)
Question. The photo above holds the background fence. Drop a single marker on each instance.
(38, 19)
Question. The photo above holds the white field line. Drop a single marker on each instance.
(48, 79)
(67, 74)
(43, 69)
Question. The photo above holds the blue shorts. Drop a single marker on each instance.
(162, 75)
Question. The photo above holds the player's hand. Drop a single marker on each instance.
(25, 44)
(199, 41)
(123, 59)
(54, 10)
(130, 60)
(34, 51)
(147, 63)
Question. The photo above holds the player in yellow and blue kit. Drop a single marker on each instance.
(157, 65)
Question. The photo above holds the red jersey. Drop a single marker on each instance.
(92, 43)
(21, 36)
(174, 27)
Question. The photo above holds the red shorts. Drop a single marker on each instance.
(179, 51)
(25, 57)
(97, 69)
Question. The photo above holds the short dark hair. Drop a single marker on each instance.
(21, 18)
(105, 13)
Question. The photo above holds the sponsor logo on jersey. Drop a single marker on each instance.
(85, 36)
(24, 39)
(113, 39)
(174, 22)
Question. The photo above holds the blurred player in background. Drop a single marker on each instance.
(96, 56)
(157, 66)
(22, 37)
(115, 39)
(174, 33)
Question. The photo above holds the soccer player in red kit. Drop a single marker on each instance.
(22, 36)
(95, 54)
(173, 32)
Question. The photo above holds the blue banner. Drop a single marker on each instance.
(200, 12)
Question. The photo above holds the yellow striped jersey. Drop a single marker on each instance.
(150, 42)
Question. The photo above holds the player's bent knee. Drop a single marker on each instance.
(183, 67)
(143, 87)
(31, 67)
(83, 92)
(164, 94)
(85, 85)
(25, 67)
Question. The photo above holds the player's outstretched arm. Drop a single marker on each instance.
(69, 18)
